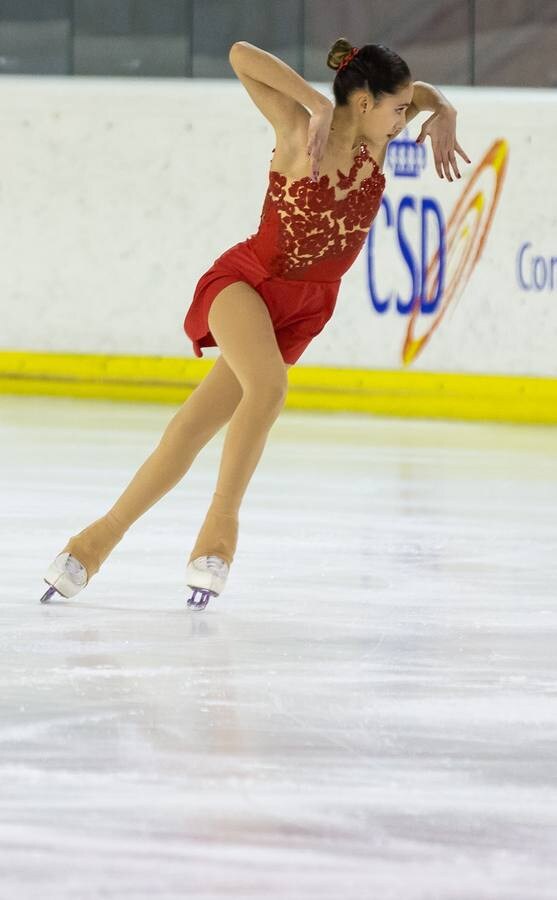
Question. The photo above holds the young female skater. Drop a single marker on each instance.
(263, 300)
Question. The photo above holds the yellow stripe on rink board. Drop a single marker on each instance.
(504, 398)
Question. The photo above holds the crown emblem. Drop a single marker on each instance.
(405, 157)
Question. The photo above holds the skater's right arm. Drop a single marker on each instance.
(282, 95)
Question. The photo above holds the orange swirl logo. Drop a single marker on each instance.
(466, 234)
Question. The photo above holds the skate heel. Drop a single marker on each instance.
(66, 576)
(206, 575)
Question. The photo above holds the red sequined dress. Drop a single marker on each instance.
(309, 234)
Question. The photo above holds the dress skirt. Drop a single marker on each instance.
(298, 309)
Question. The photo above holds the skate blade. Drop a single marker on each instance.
(49, 593)
(201, 603)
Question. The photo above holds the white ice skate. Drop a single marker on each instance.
(206, 575)
(66, 576)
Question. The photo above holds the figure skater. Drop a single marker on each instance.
(263, 300)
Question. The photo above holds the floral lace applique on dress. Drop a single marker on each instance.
(315, 223)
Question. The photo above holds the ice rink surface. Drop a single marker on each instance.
(368, 712)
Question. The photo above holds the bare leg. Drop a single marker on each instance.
(200, 417)
(242, 327)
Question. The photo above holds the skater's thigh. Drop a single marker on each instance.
(241, 325)
(215, 398)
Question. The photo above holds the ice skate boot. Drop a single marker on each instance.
(66, 576)
(82, 557)
(206, 575)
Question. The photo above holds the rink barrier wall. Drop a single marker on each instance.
(102, 259)
(145, 379)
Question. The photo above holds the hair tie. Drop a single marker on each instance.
(348, 58)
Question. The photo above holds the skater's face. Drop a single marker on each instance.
(382, 119)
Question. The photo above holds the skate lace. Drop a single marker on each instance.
(216, 563)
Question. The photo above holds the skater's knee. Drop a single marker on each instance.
(268, 392)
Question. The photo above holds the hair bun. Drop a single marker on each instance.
(339, 50)
(348, 58)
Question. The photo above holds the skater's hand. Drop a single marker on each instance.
(441, 127)
(318, 132)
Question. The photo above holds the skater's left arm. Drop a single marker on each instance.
(441, 127)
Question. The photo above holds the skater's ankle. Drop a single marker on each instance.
(224, 506)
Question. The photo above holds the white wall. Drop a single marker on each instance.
(116, 195)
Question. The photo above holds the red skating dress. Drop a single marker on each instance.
(309, 234)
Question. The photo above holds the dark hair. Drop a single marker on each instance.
(375, 67)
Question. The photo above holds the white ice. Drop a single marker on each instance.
(368, 711)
